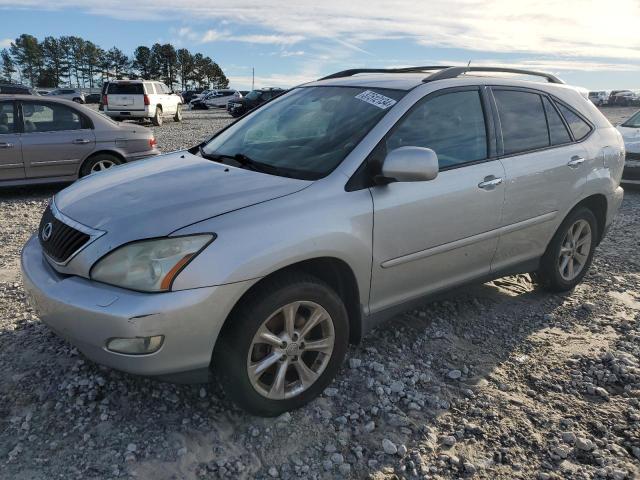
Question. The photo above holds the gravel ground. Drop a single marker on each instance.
(500, 381)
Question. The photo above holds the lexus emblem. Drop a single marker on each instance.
(46, 231)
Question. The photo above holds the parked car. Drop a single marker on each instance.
(92, 98)
(259, 254)
(198, 102)
(42, 91)
(630, 131)
(220, 98)
(103, 96)
(48, 139)
(188, 95)
(599, 98)
(16, 89)
(73, 94)
(239, 106)
(625, 98)
(613, 94)
(140, 100)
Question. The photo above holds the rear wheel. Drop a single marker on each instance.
(178, 116)
(99, 163)
(570, 253)
(157, 118)
(78, 100)
(283, 345)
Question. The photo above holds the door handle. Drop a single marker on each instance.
(490, 182)
(575, 162)
(6, 145)
(81, 141)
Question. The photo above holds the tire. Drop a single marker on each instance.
(237, 348)
(98, 163)
(157, 118)
(554, 274)
(178, 116)
(78, 100)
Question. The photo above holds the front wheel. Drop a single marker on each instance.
(178, 116)
(570, 253)
(283, 345)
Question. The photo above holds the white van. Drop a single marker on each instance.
(141, 99)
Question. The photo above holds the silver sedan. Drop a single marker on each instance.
(44, 140)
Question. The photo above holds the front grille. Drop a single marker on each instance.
(62, 240)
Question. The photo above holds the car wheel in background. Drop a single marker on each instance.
(157, 118)
(282, 345)
(99, 163)
(569, 255)
(78, 100)
(178, 116)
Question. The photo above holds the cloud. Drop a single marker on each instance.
(5, 42)
(212, 35)
(568, 28)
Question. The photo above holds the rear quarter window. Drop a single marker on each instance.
(578, 126)
(125, 89)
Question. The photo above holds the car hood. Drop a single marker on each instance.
(157, 196)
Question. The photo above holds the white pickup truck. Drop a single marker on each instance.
(141, 99)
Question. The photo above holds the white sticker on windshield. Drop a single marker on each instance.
(376, 99)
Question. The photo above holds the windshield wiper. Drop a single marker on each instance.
(243, 160)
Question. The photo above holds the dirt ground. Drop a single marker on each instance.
(500, 381)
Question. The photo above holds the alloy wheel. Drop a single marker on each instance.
(102, 165)
(290, 350)
(574, 250)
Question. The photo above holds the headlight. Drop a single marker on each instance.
(149, 265)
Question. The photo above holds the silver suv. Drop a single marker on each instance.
(260, 254)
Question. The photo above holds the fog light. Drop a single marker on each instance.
(135, 346)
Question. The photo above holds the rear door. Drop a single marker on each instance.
(11, 165)
(125, 96)
(545, 172)
(56, 139)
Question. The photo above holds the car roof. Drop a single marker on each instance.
(39, 98)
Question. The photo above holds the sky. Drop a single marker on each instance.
(593, 44)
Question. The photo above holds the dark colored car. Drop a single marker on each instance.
(16, 89)
(188, 95)
(92, 98)
(251, 100)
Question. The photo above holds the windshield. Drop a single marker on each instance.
(633, 122)
(307, 132)
(253, 95)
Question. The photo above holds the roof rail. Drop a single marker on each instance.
(454, 72)
(355, 71)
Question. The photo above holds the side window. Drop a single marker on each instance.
(7, 120)
(557, 129)
(49, 117)
(452, 125)
(578, 126)
(524, 125)
(163, 88)
(150, 88)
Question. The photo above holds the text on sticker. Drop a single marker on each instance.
(376, 99)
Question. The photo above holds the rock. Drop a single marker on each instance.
(203, 392)
(584, 444)
(132, 447)
(331, 392)
(448, 440)
(355, 363)
(569, 437)
(618, 474)
(469, 468)
(402, 450)
(377, 367)
(369, 426)
(389, 447)
(454, 374)
(345, 469)
(273, 472)
(397, 386)
(601, 392)
(182, 451)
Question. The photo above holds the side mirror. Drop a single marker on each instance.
(410, 164)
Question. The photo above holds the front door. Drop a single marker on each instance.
(56, 139)
(434, 234)
(11, 166)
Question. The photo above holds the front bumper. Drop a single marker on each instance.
(89, 313)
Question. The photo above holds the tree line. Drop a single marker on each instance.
(75, 62)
